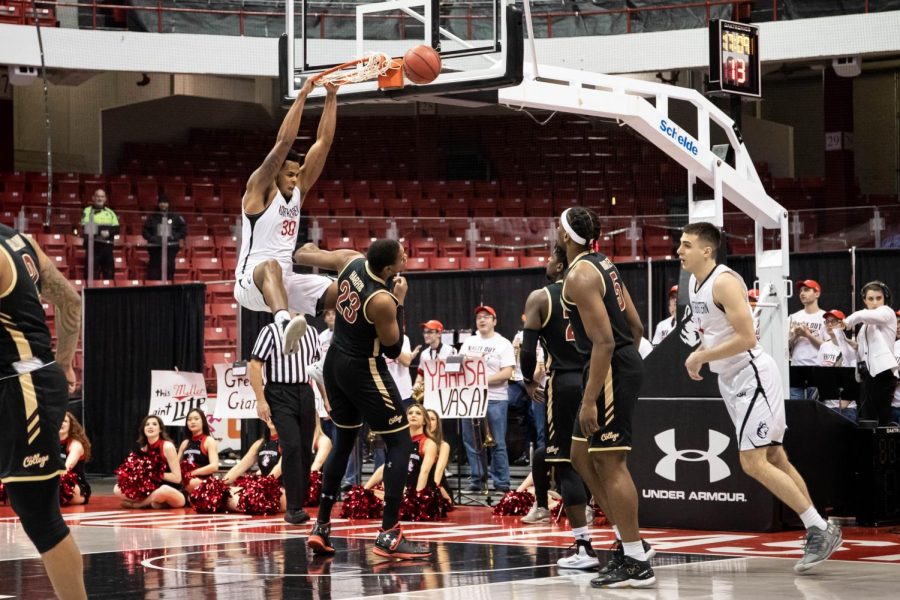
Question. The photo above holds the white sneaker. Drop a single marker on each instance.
(293, 333)
(588, 514)
(536, 515)
(582, 557)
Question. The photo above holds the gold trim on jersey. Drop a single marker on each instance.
(336, 424)
(349, 262)
(610, 449)
(599, 272)
(33, 477)
(14, 271)
(379, 383)
(608, 398)
(550, 427)
(392, 430)
(18, 338)
(366, 303)
(29, 398)
(374, 276)
(575, 438)
(549, 308)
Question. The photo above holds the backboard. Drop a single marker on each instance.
(481, 46)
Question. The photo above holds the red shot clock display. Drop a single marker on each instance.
(734, 58)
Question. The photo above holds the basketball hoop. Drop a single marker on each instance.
(375, 65)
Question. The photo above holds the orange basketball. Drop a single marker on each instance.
(421, 64)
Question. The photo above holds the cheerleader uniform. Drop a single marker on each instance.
(158, 448)
(78, 469)
(195, 454)
(268, 456)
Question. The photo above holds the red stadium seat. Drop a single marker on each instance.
(504, 262)
(533, 261)
(418, 263)
(475, 262)
(445, 263)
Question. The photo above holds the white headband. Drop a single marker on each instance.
(564, 219)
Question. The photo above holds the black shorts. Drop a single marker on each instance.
(563, 401)
(362, 389)
(32, 408)
(617, 401)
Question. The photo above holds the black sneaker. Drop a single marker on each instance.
(618, 551)
(296, 517)
(318, 539)
(628, 573)
(391, 543)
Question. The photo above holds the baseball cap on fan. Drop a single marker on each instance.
(811, 284)
(837, 314)
(673, 290)
(487, 309)
(433, 324)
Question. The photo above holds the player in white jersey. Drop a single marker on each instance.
(749, 381)
(270, 217)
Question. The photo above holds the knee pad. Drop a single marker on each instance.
(571, 486)
(37, 505)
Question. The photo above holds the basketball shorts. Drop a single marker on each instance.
(754, 398)
(32, 408)
(563, 400)
(362, 389)
(616, 404)
(303, 292)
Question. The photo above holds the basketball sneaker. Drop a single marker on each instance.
(582, 557)
(537, 514)
(292, 332)
(618, 553)
(629, 572)
(318, 539)
(819, 546)
(391, 543)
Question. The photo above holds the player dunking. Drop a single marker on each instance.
(270, 217)
(34, 395)
(547, 320)
(750, 383)
(606, 328)
(368, 326)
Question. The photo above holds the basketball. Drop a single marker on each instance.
(421, 64)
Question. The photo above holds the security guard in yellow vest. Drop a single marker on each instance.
(107, 227)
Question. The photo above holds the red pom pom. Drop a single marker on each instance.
(2, 493)
(187, 470)
(361, 503)
(67, 483)
(557, 513)
(425, 505)
(140, 474)
(514, 504)
(599, 515)
(260, 495)
(315, 489)
(211, 496)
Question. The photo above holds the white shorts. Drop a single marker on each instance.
(303, 292)
(754, 398)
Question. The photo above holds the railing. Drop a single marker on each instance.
(543, 16)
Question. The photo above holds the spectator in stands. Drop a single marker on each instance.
(497, 352)
(107, 227)
(876, 364)
(807, 332)
(895, 402)
(838, 351)
(665, 327)
(151, 233)
(435, 349)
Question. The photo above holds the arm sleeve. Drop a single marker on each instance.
(528, 354)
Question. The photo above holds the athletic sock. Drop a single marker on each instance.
(812, 518)
(616, 531)
(582, 533)
(282, 317)
(635, 550)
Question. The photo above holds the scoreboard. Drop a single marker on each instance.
(734, 58)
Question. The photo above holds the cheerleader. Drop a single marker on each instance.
(443, 457)
(152, 438)
(199, 453)
(75, 450)
(266, 454)
(422, 460)
(321, 447)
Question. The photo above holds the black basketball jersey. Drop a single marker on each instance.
(613, 300)
(268, 455)
(23, 327)
(354, 333)
(194, 452)
(557, 334)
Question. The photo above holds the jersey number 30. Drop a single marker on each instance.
(348, 302)
(288, 228)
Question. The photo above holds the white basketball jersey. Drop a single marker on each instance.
(272, 234)
(713, 324)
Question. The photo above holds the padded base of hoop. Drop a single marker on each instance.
(393, 78)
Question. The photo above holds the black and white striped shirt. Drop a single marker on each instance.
(269, 349)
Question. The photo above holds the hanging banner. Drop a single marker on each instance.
(457, 389)
(226, 431)
(173, 394)
(236, 399)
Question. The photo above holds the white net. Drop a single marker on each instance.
(372, 66)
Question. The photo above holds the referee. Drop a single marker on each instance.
(289, 402)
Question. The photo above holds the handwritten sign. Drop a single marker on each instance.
(459, 395)
(236, 399)
(173, 394)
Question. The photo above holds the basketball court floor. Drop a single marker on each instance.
(181, 554)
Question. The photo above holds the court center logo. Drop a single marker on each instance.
(718, 468)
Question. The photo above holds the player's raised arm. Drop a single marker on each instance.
(318, 152)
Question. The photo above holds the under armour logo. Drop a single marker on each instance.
(718, 468)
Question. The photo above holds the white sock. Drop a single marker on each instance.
(582, 533)
(811, 518)
(616, 531)
(282, 316)
(635, 550)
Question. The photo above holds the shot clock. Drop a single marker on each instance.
(734, 58)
